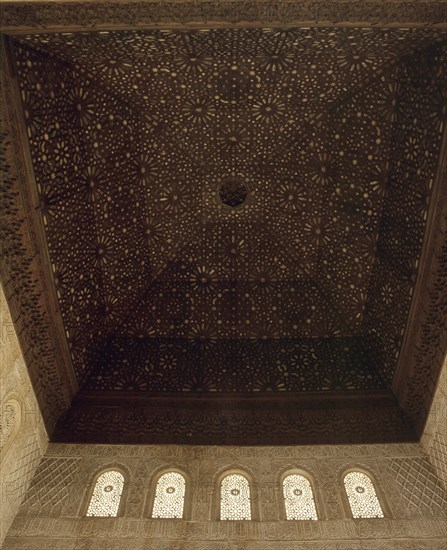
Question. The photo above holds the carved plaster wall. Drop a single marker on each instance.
(434, 440)
(52, 515)
(23, 437)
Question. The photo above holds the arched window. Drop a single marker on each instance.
(235, 498)
(106, 495)
(169, 496)
(362, 496)
(298, 497)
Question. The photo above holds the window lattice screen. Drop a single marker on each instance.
(235, 498)
(106, 495)
(362, 496)
(298, 498)
(169, 496)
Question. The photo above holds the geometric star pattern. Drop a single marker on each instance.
(333, 134)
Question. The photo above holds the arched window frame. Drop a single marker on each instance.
(91, 487)
(377, 487)
(254, 510)
(315, 492)
(150, 499)
(12, 402)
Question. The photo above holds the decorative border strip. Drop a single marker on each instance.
(189, 452)
(46, 15)
(171, 421)
(208, 531)
(426, 347)
(23, 268)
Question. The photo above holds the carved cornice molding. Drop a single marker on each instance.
(201, 423)
(23, 269)
(123, 14)
(426, 351)
(189, 452)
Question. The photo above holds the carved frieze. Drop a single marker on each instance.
(84, 14)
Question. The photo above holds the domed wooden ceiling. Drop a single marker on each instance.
(230, 211)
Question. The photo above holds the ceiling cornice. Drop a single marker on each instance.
(17, 17)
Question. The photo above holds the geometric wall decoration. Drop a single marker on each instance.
(418, 483)
(51, 486)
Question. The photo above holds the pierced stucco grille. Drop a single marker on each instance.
(235, 498)
(362, 496)
(169, 496)
(298, 498)
(106, 496)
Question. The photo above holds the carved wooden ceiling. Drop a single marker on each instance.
(231, 211)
